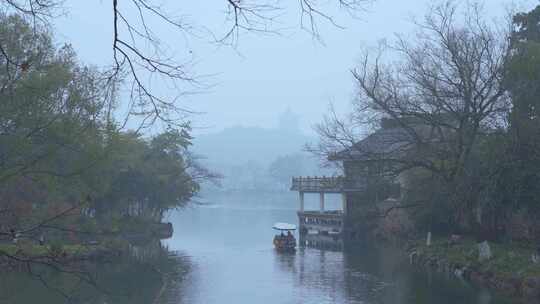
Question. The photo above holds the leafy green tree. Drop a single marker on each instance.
(61, 150)
(53, 120)
(523, 81)
(148, 176)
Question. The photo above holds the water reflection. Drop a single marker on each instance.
(231, 249)
(285, 261)
(368, 275)
(321, 241)
(145, 274)
(224, 254)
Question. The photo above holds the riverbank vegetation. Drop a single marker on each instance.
(449, 114)
(68, 171)
(77, 188)
(149, 276)
(509, 271)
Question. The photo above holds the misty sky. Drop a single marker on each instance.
(265, 74)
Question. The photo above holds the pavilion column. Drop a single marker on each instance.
(344, 202)
(301, 197)
(321, 200)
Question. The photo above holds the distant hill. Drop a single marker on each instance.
(238, 145)
(256, 159)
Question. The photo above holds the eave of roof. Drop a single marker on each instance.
(381, 143)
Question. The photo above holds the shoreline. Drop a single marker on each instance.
(508, 272)
(14, 257)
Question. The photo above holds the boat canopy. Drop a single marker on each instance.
(284, 226)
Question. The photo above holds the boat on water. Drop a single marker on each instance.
(285, 240)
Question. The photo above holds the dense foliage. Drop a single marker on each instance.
(502, 178)
(454, 114)
(63, 158)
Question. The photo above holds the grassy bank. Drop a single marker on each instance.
(509, 260)
(56, 250)
(510, 270)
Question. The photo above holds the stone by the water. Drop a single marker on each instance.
(484, 251)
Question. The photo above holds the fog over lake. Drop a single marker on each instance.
(269, 151)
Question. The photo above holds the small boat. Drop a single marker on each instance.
(284, 241)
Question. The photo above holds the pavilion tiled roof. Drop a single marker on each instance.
(380, 144)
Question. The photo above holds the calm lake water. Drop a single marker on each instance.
(222, 252)
(229, 249)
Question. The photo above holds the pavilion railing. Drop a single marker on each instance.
(325, 184)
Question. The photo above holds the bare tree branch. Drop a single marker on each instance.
(140, 60)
